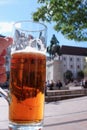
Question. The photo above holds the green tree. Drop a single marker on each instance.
(85, 70)
(54, 49)
(80, 74)
(69, 17)
(68, 75)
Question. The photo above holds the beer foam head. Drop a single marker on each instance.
(27, 50)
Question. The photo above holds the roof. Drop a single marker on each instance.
(72, 50)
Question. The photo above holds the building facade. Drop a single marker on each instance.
(73, 63)
(72, 58)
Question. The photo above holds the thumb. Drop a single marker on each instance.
(4, 43)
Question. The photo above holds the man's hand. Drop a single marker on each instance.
(4, 43)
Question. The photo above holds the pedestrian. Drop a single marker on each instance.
(85, 84)
(45, 88)
(4, 43)
(59, 84)
(51, 85)
(48, 84)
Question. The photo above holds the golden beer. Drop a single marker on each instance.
(27, 82)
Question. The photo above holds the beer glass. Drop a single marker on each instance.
(27, 76)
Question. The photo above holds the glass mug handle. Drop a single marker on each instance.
(5, 95)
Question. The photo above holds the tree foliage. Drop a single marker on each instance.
(85, 69)
(69, 17)
(68, 75)
(80, 74)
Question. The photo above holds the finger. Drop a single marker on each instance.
(4, 43)
(4, 52)
(3, 78)
(2, 60)
(6, 40)
(9, 41)
(2, 69)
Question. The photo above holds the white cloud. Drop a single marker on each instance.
(5, 2)
(6, 27)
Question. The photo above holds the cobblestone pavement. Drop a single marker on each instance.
(68, 114)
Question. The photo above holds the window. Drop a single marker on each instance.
(78, 67)
(64, 65)
(71, 66)
(71, 59)
(78, 59)
(64, 58)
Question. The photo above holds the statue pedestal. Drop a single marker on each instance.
(54, 70)
(57, 71)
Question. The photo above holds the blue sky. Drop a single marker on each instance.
(15, 10)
